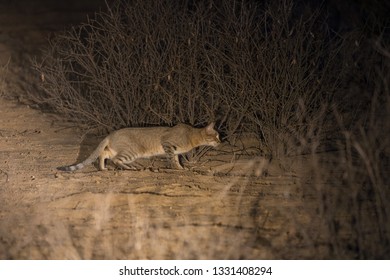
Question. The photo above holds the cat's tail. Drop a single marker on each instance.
(95, 154)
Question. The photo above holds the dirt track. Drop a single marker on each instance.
(130, 214)
(218, 210)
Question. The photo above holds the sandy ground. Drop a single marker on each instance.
(222, 208)
(219, 210)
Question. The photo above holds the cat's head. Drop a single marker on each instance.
(211, 135)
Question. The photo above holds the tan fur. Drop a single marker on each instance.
(124, 146)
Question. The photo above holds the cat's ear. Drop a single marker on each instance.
(210, 127)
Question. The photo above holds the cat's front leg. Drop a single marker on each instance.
(172, 157)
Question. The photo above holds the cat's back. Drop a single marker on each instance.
(143, 141)
(138, 133)
(178, 130)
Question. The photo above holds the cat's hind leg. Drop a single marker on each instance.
(124, 162)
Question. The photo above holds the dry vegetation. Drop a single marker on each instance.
(3, 73)
(246, 66)
(315, 101)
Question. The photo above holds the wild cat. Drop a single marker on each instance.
(124, 146)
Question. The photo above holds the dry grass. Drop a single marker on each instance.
(3, 77)
(305, 93)
(247, 66)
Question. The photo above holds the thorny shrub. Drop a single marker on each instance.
(245, 65)
(269, 71)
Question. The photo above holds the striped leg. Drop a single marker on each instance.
(172, 157)
(124, 161)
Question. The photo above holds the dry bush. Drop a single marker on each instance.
(363, 161)
(268, 71)
(350, 185)
(154, 62)
(3, 74)
(345, 191)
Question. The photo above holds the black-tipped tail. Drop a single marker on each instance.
(70, 168)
